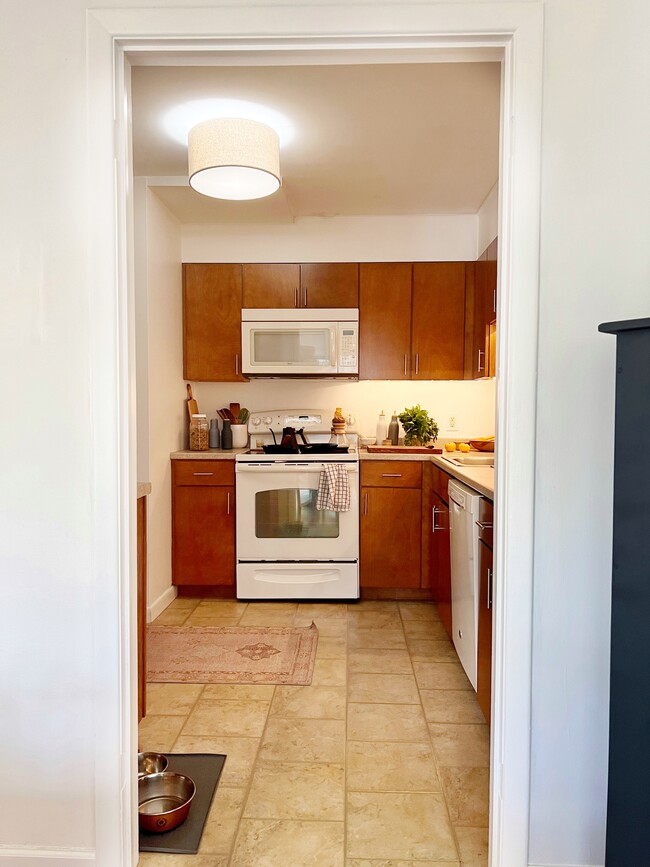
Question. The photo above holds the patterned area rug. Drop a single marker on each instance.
(231, 654)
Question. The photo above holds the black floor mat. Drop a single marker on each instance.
(205, 769)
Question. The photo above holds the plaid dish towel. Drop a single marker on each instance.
(333, 489)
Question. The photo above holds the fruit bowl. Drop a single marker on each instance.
(485, 444)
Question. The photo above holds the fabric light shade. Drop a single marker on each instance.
(234, 158)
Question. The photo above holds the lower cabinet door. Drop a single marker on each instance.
(391, 533)
(441, 561)
(203, 538)
(485, 602)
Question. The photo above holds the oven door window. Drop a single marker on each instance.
(290, 513)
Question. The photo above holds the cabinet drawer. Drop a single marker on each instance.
(208, 472)
(486, 522)
(440, 483)
(391, 474)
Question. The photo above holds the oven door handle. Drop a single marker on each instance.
(288, 468)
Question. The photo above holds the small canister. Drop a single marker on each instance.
(199, 433)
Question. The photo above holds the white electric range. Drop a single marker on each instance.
(286, 547)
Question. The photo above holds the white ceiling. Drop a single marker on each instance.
(376, 139)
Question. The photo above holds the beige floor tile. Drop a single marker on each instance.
(222, 822)
(273, 607)
(153, 859)
(331, 647)
(172, 617)
(391, 862)
(198, 618)
(387, 606)
(172, 699)
(436, 650)
(238, 691)
(460, 746)
(297, 791)
(157, 733)
(317, 702)
(327, 626)
(473, 845)
(186, 602)
(467, 791)
(418, 611)
(451, 706)
(240, 755)
(383, 688)
(322, 610)
(403, 825)
(288, 843)
(440, 675)
(378, 661)
(359, 638)
(391, 767)
(373, 619)
(303, 740)
(428, 630)
(386, 722)
(222, 607)
(267, 618)
(330, 672)
(233, 718)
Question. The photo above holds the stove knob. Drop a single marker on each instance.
(255, 421)
(268, 420)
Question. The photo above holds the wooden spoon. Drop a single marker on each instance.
(234, 409)
(192, 405)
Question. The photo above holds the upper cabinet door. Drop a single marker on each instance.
(438, 336)
(385, 320)
(212, 323)
(329, 284)
(271, 285)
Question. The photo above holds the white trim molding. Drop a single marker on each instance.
(514, 30)
(163, 601)
(23, 856)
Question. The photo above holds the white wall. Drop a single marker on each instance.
(165, 392)
(595, 263)
(595, 267)
(488, 220)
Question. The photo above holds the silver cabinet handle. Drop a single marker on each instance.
(392, 475)
(295, 296)
(417, 363)
(405, 367)
(365, 504)
(228, 504)
(434, 512)
(484, 525)
(480, 367)
(305, 297)
(237, 364)
(489, 588)
(202, 474)
(494, 301)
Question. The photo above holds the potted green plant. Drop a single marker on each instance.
(419, 428)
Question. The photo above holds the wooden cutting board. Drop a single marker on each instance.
(192, 405)
(404, 450)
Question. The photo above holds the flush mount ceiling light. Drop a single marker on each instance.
(234, 158)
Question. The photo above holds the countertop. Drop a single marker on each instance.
(144, 488)
(209, 455)
(481, 479)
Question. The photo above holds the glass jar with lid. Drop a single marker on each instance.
(199, 433)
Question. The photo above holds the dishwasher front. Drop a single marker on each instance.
(463, 515)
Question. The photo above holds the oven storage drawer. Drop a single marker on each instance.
(391, 474)
(297, 581)
(203, 472)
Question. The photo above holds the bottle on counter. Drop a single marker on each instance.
(226, 435)
(382, 430)
(199, 433)
(214, 433)
(393, 429)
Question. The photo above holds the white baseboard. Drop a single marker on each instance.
(158, 605)
(23, 856)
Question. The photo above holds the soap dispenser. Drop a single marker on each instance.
(382, 430)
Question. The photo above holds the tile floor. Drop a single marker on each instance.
(381, 762)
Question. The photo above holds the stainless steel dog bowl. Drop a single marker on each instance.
(151, 763)
(164, 800)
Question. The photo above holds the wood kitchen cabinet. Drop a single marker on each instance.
(212, 301)
(390, 524)
(485, 606)
(480, 333)
(412, 320)
(440, 546)
(203, 522)
(311, 285)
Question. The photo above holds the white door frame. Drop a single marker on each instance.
(514, 29)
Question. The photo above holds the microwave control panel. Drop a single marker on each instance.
(348, 345)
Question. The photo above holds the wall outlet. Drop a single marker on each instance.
(451, 422)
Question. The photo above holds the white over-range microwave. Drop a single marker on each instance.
(317, 343)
